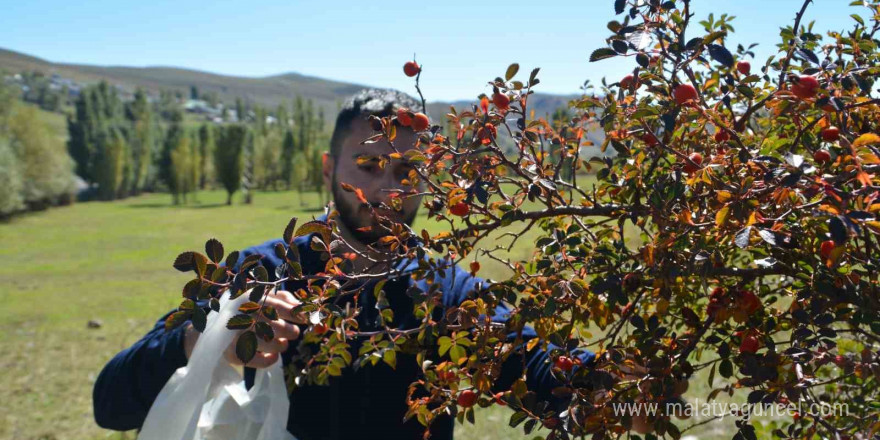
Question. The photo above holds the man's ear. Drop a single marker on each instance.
(327, 165)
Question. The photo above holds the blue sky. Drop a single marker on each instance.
(462, 44)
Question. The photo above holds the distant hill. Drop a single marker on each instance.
(268, 91)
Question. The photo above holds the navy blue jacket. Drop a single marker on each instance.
(365, 403)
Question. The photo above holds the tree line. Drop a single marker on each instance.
(35, 169)
(122, 149)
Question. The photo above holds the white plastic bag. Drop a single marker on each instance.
(214, 404)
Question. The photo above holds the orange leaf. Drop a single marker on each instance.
(866, 139)
(360, 195)
(864, 177)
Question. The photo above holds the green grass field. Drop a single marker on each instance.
(111, 262)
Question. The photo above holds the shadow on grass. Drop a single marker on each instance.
(171, 205)
(293, 208)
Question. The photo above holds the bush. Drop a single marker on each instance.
(45, 168)
(734, 232)
(11, 200)
(229, 157)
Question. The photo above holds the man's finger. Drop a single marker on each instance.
(260, 360)
(285, 302)
(282, 328)
(263, 360)
(276, 345)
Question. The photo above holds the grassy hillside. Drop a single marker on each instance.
(270, 90)
(111, 262)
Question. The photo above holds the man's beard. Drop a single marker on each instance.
(349, 214)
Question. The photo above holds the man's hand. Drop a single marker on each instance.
(285, 329)
(640, 422)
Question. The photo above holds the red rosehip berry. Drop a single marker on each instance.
(467, 398)
(403, 117)
(501, 101)
(564, 363)
(721, 135)
(749, 344)
(805, 87)
(697, 158)
(822, 156)
(830, 134)
(460, 209)
(826, 248)
(411, 68)
(684, 93)
(420, 122)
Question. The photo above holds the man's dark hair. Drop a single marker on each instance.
(378, 102)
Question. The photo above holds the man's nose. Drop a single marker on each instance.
(383, 184)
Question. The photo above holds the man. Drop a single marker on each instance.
(367, 403)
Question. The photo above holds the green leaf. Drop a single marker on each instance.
(858, 18)
(191, 289)
(335, 370)
(214, 250)
(264, 331)
(378, 288)
(457, 353)
(746, 91)
(517, 418)
(519, 388)
(199, 319)
(249, 307)
(175, 319)
(261, 274)
(246, 347)
(534, 75)
(726, 368)
(390, 358)
(714, 36)
(231, 259)
(186, 304)
(280, 251)
(184, 262)
(294, 269)
(249, 261)
(721, 54)
(315, 227)
(511, 71)
(201, 263)
(601, 54)
(219, 275)
(444, 343)
(257, 293)
(288, 231)
(270, 313)
(619, 6)
(239, 322)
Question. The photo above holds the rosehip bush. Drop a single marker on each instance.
(734, 230)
